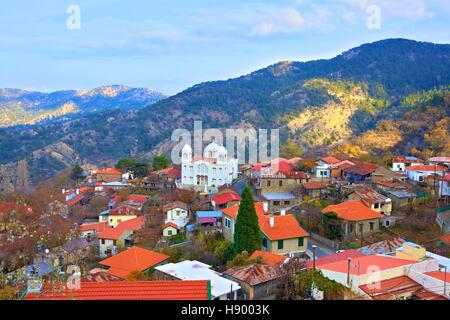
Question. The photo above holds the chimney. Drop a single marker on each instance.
(283, 211)
(271, 221)
(63, 191)
(77, 191)
(265, 206)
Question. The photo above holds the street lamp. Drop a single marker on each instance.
(348, 270)
(314, 256)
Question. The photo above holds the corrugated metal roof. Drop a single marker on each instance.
(255, 273)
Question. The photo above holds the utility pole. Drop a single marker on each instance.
(349, 260)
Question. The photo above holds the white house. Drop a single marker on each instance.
(420, 172)
(221, 288)
(177, 213)
(400, 163)
(323, 167)
(214, 169)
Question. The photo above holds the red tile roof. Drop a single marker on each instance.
(233, 211)
(129, 225)
(97, 227)
(353, 210)
(137, 198)
(124, 210)
(446, 239)
(133, 259)
(170, 172)
(315, 185)
(446, 177)
(330, 160)
(390, 288)
(369, 196)
(363, 168)
(439, 275)
(225, 198)
(170, 224)
(285, 227)
(366, 264)
(129, 290)
(75, 200)
(340, 256)
(110, 171)
(255, 274)
(427, 168)
(268, 258)
(175, 205)
(428, 295)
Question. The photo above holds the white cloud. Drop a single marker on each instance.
(283, 20)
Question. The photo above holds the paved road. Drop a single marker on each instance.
(321, 250)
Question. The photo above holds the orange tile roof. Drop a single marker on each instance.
(446, 239)
(129, 225)
(315, 185)
(285, 227)
(225, 198)
(388, 289)
(97, 227)
(133, 259)
(428, 168)
(170, 172)
(129, 290)
(439, 275)
(363, 168)
(170, 224)
(269, 258)
(111, 171)
(330, 160)
(175, 205)
(124, 210)
(233, 211)
(366, 264)
(428, 295)
(353, 210)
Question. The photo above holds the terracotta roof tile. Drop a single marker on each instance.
(225, 198)
(353, 210)
(269, 258)
(129, 225)
(129, 290)
(133, 259)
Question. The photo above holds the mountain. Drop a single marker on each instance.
(321, 104)
(20, 107)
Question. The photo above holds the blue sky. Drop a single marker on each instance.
(170, 45)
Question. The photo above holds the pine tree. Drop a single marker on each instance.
(247, 236)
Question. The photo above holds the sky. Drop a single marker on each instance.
(170, 45)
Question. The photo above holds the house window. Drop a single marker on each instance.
(276, 203)
(280, 183)
(227, 223)
(376, 205)
(114, 242)
(268, 183)
(372, 226)
(287, 203)
(388, 223)
(103, 241)
(420, 178)
(264, 242)
(280, 244)
(169, 232)
(301, 242)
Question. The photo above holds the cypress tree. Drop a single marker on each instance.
(247, 236)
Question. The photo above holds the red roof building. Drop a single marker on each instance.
(175, 205)
(94, 227)
(226, 197)
(128, 290)
(133, 259)
(269, 258)
(391, 289)
(117, 232)
(353, 210)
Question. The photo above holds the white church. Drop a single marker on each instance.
(211, 171)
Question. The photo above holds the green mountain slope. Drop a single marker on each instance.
(320, 103)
